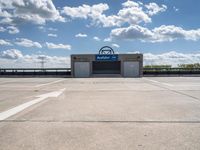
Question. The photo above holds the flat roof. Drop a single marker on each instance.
(100, 113)
(105, 54)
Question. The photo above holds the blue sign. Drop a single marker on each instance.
(107, 57)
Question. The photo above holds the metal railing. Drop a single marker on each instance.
(161, 71)
(36, 71)
(67, 71)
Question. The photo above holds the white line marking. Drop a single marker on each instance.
(50, 83)
(4, 115)
(163, 83)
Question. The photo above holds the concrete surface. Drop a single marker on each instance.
(161, 113)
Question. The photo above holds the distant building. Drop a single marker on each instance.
(106, 64)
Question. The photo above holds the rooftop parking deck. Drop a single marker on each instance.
(151, 113)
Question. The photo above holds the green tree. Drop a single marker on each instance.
(157, 66)
(196, 65)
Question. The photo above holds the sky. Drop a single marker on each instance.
(167, 32)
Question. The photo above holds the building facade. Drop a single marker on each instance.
(106, 64)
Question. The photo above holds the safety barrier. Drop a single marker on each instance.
(66, 72)
(35, 72)
(170, 71)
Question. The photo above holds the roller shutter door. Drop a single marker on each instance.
(131, 69)
(82, 69)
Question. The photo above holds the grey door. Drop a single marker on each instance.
(131, 69)
(81, 69)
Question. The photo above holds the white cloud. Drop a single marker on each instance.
(27, 43)
(77, 12)
(6, 21)
(134, 32)
(107, 40)
(6, 4)
(58, 46)
(11, 54)
(94, 13)
(52, 35)
(159, 34)
(115, 45)
(2, 29)
(36, 11)
(52, 29)
(131, 13)
(85, 11)
(171, 58)
(50, 61)
(10, 29)
(5, 42)
(41, 28)
(134, 52)
(15, 59)
(171, 33)
(175, 9)
(96, 38)
(154, 8)
(4, 13)
(45, 29)
(13, 30)
(130, 4)
(81, 35)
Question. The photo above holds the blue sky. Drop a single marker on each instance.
(166, 31)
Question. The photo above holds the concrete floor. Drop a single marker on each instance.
(154, 113)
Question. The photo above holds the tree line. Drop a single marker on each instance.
(195, 65)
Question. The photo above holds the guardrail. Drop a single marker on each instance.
(66, 72)
(170, 71)
(35, 72)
